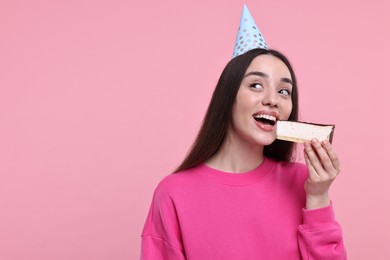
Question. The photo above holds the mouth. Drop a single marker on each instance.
(265, 119)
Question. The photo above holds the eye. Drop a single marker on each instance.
(285, 92)
(256, 86)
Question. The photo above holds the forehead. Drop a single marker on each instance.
(269, 64)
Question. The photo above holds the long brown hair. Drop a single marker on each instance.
(219, 113)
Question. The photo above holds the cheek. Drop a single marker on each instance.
(242, 105)
(235, 113)
(287, 110)
(237, 116)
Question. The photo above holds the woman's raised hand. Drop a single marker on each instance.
(324, 166)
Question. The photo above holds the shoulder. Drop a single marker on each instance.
(291, 166)
(177, 183)
(293, 169)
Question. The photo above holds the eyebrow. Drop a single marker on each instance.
(262, 74)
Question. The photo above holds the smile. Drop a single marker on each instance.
(265, 119)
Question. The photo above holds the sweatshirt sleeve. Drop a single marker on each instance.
(320, 236)
(161, 236)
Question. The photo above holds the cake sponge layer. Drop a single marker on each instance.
(302, 131)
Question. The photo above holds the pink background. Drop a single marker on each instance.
(99, 100)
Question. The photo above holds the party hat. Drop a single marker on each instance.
(249, 36)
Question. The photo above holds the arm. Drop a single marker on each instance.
(161, 236)
(324, 166)
(155, 248)
(320, 236)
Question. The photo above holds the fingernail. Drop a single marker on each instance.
(314, 141)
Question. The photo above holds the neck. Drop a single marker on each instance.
(237, 156)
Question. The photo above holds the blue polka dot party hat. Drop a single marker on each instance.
(249, 36)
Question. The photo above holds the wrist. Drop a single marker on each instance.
(317, 201)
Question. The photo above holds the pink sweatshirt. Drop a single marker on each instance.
(203, 213)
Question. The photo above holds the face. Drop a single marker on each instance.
(263, 98)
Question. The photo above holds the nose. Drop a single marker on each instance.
(270, 98)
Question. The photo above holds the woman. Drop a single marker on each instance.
(237, 195)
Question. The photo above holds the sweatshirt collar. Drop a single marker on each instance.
(238, 179)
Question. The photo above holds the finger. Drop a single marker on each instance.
(312, 158)
(323, 156)
(332, 154)
(307, 160)
(312, 172)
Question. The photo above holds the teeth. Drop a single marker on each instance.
(269, 117)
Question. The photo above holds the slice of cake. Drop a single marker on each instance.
(301, 131)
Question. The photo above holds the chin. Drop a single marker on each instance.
(266, 141)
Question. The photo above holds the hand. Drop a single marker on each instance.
(324, 166)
